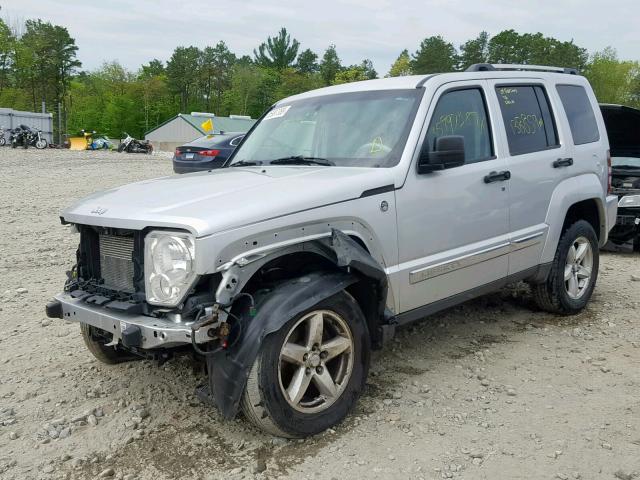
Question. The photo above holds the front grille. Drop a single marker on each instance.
(116, 262)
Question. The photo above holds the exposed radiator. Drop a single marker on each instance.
(116, 262)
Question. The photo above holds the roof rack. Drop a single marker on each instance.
(493, 67)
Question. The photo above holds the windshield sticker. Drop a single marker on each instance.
(376, 145)
(277, 112)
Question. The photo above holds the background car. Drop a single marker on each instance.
(623, 130)
(205, 153)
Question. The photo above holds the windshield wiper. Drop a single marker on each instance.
(301, 160)
(244, 163)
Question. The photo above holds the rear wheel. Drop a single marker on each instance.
(96, 340)
(574, 271)
(310, 373)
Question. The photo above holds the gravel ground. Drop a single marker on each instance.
(489, 390)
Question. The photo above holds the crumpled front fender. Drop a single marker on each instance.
(229, 369)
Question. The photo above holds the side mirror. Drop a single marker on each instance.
(448, 153)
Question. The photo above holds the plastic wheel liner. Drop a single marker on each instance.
(228, 369)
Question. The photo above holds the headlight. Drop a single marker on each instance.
(168, 266)
(629, 201)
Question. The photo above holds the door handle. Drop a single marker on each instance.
(497, 176)
(563, 162)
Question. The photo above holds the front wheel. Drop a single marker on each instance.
(573, 273)
(41, 144)
(96, 341)
(310, 373)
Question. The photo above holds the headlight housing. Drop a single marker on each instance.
(168, 266)
(629, 201)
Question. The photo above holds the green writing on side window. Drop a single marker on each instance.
(526, 124)
(455, 122)
(508, 95)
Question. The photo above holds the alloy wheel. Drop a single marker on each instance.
(316, 361)
(578, 268)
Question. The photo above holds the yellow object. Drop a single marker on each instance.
(376, 145)
(77, 143)
(207, 125)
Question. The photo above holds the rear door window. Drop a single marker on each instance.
(462, 112)
(527, 117)
(582, 121)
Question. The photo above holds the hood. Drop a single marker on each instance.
(211, 202)
(623, 129)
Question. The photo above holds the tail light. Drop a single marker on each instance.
(178, 152)
(609, 171)
(209, 153)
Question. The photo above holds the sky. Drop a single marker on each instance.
(136, 31)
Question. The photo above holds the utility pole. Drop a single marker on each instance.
(59, 123)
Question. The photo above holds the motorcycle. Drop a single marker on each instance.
(25, 136)
(131, 145)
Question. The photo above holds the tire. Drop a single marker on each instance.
(567, 290)
(41, 144)
(264, 402)
(95, 342)
(3, 141)
(121, 148)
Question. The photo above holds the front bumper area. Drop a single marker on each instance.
(153, 332)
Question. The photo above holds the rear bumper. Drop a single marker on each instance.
(612, 212)
(154, 332)
(188, 167)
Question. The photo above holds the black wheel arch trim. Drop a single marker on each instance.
(228, 370)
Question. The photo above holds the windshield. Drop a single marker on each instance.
(358, 129)
(625, 162)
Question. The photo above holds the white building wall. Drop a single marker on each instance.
(172, 134)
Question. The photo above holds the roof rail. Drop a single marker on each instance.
(492, 67)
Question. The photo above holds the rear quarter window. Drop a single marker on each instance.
(582, 121)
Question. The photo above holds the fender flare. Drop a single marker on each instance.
(567, 193)
(228, 370)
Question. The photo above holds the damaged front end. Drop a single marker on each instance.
(224, 316)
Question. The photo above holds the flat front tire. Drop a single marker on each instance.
(574, 271)
(309, 374)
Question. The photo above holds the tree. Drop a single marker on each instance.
(47, 56)
(474, 51)
(368, 70)
(154, 68)
(6, 54)
(278, 52)
(435, 55)
(307, 62)
(354, 73)
(215, 72)
(509, 46)
(182, 70)
(613, 81)
(242, 96)
(402, 65)
(330, 65)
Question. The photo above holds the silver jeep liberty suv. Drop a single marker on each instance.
(345, 213)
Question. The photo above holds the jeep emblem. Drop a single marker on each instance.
(99, 210)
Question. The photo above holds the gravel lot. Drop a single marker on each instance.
(490, 390)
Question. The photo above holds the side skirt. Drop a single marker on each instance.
(536, 274)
